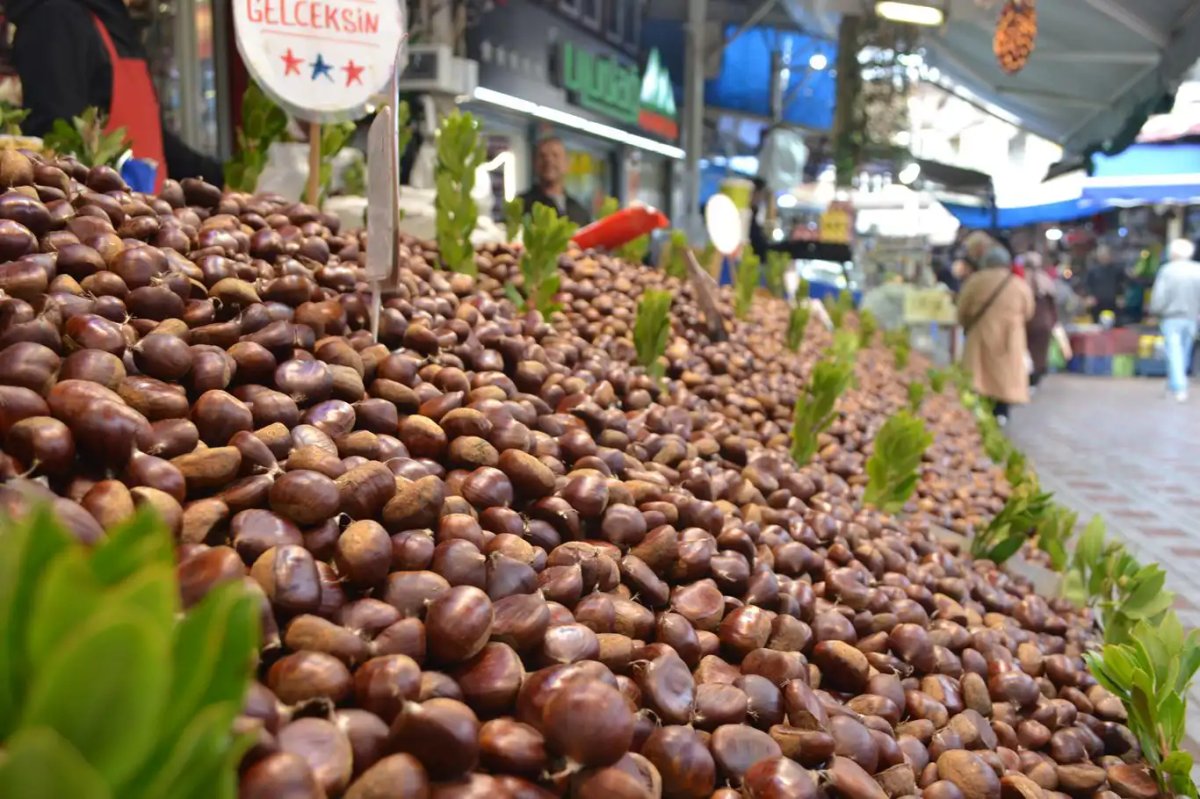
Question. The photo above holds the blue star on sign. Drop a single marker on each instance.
(321, 67)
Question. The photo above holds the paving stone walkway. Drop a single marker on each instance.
(1120, 448)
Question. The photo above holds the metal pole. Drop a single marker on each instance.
(693, 109)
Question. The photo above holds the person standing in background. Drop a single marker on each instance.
(993, 307)
(1175, 300)
(1104, 282)
(550, 172)
(1040, 327)
(74, 54)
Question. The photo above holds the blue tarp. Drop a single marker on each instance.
(1146, 173)
(744, 83)
(745, 80)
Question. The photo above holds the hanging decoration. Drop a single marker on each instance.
(1016, 32)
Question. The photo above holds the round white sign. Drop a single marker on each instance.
(322, 60)
(724, 223)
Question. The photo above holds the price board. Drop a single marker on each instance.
(926, 306)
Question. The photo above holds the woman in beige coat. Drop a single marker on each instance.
(993, 307)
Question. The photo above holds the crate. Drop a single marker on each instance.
(1124, 365)
(1097, 344)
(1094, 365)
(1124, 340)
(1151, 367)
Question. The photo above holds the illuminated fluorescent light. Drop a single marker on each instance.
(910, 13)
(786, 201)
(492, 97)
(910, 173)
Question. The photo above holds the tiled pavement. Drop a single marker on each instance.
(1121, 449)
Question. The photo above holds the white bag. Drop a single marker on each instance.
(1063, 341)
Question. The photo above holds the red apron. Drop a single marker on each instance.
(134, 106)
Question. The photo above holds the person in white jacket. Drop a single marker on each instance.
(1175, 300)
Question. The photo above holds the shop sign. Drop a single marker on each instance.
(837, 224)
(600, 83)
(657, 113)
(322, 60)
(925, 306)
(607, 86)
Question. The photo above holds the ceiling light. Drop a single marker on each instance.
(786, 201)
(818, 61)
(1054, 234)
(910, 13)
(910, 173)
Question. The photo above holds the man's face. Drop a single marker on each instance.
(550, 163)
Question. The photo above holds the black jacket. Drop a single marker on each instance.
(574, 211)
(64, 69)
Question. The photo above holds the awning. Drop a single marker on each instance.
(1098, 69)
(1147, 173)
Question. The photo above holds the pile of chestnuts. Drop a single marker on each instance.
(495, 557)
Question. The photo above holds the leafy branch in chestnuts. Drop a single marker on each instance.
(459, 153)
(106, 687)
(745, 281)
(814, 410)
(916, 395)
(546, 238)
(263, 123)
(777, 265)
(1009, 529)
(673, 259)
(514, 218)
(893, 468)
(797, 324)
(85, 138)
(867, 327)
(1152, 676)
(651, 329)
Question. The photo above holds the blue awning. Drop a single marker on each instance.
(981, 217)
(1146, 173)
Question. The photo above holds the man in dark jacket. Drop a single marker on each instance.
(1105, 282)
(549, 169)
(62, 53)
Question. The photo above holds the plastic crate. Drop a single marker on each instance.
(1124, 365)
(1151, 367)
(1097, 344)
(1124, 340)
(1094, 365)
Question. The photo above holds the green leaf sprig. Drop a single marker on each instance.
(11, 117)
(84, 138)
(263, 123)
(546, 238)
(107, 688)
(608, 207)
(898, 341)
(652, 329)
(1151, 675)
(916, 395)
(673, 258)
(745, 281)
(634, 252)
(845, 345)
(777, 266)
(334, 138)
(894, 467)
(838, 308)
(459, 153)
(1054, 533)
(937, 380)
(797, 324)
(514, 217)
(1022, 514)
(868, 325)
(815, 408)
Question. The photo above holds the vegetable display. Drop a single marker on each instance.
(490, 554)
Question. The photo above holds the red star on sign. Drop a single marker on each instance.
(353, 72)
(291, 64)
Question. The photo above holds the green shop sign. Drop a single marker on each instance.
(606, 86)
(601, 84)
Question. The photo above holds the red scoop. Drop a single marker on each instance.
(621, 228)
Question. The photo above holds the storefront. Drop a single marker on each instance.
(574, 69)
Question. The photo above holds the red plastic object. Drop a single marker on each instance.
(621, 228)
